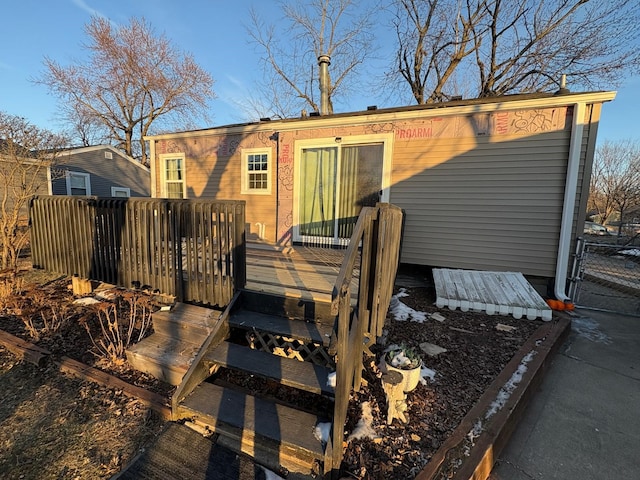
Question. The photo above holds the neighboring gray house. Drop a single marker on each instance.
(101, 171)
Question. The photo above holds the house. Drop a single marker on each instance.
(101, 171)
(497, 184)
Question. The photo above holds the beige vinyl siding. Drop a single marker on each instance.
(219, 177)
(482, 204)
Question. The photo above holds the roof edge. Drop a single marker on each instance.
(76, 150)
(457, 107)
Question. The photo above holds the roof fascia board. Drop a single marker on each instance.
(362, 118)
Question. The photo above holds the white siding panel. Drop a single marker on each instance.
(480, 204)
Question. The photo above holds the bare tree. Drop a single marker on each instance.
(497, 47)
(341, 29)
(133, 80)
(615, 181)
(26, 155)
(434, 37)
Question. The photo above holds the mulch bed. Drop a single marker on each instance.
(476, 353)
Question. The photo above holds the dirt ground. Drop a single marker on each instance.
(53, 426)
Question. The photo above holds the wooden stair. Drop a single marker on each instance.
(178, 336)
(249, 340)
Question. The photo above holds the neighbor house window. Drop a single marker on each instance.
(120, 192)
(78, 184)
(256, 172)
(174, 184)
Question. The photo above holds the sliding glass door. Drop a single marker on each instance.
(335, 183)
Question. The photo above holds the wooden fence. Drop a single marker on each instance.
(193, 249)
(377, 233)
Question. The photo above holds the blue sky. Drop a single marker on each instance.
(213, 31)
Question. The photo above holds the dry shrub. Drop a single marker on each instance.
(10, 285)
(41, 314)
(117, 323)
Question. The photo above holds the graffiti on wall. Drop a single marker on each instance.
(285, 189)
(164, 146)
(519, 122)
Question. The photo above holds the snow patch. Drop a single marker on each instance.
(364, 427)
(635, 252)
(588, 328)
(400, 360)
(402, 312)
(507, 389)
(86, 301)
(500, 401)
(331, 380)
(269, 475)
(322, 431)
(427, 373)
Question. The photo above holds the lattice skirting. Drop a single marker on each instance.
(290, 348)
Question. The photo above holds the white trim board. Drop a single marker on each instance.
(499, 293)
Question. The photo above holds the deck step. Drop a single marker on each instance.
(248, 421)
(291, 372)
(185, 322)
(292, 307)
(298, 329)
(165, 358)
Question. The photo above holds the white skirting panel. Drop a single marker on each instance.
(496, 293)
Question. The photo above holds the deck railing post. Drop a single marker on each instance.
(240, 250)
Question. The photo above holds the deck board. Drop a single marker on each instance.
(226, 407)
(297, 272)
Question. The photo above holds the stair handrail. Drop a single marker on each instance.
(346, 327)
(376, 241)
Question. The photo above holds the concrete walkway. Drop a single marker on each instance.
(584, 422)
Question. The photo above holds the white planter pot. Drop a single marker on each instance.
(410, 377)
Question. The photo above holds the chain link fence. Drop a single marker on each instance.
(607, 276)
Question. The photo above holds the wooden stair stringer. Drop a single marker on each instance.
(200, 370)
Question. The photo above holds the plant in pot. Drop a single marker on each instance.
(405, 360)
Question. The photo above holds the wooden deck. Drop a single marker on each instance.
(301, 272)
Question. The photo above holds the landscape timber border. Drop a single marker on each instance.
(476, 456)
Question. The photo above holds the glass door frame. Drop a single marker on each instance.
(332, 142)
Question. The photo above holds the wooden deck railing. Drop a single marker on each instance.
(377, 233)
(193, 249)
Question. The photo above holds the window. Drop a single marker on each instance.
(120, 192)
(174, 184)
(78, 184)
(256, 172)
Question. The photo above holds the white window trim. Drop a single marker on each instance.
(163, 172)
(120, 189)
(87, 181)
(244, 187)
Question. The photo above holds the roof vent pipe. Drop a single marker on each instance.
(323, 62)
(563, 86)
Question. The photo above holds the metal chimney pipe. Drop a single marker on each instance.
(323, 63)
